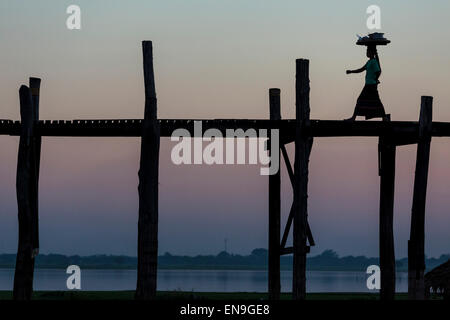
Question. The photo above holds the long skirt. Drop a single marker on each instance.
(369, 104)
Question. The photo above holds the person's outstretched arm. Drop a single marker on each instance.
(357, 70)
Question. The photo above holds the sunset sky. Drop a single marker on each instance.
(217, 59)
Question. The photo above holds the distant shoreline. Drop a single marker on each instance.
(257, 260)
(199, 268)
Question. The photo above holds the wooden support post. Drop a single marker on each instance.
(274, 209)
(387, 151)
(36, 142)
(416, 244)
(27, 187)
(148, 186)
(302, 151)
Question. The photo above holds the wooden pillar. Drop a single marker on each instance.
(274, 209)
(416, 244)
(148, 186)
(387, 151)
(303, 146)
(27, 191)
(35, 85)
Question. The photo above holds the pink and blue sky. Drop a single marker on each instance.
(217, 59)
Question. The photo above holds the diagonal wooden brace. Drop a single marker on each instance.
(291, 213)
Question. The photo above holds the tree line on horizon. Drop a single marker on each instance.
(328, 260)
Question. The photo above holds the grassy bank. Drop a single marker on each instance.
(179, 295)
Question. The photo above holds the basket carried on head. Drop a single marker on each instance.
(373, 39)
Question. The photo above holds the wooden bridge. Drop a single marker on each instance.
(301, 131)
(401, 130)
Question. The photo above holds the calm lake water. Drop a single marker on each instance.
(201, 280)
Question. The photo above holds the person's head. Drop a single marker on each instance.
(371, 52)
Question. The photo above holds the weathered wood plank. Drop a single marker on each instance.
(274, 208)
(416, 244)
(148, 186)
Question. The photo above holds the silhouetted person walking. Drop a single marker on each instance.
(369, 104)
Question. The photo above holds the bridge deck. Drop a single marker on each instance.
(316, 128)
